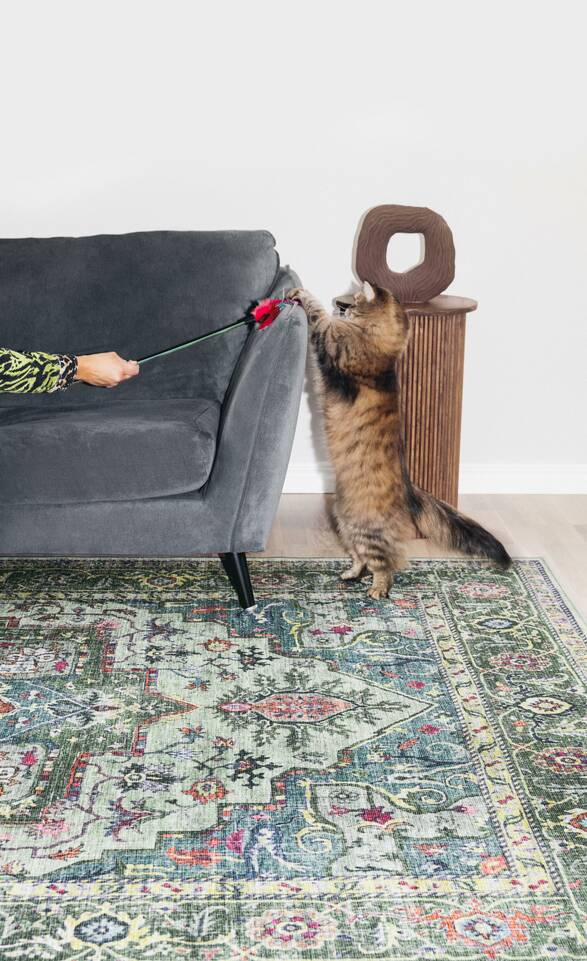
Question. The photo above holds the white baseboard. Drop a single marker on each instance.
(308, 478)
(314, 478)
(523, 479)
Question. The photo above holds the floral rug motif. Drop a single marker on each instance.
(328, 777)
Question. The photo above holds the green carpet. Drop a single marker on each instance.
(330, 777)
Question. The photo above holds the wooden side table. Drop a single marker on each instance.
(431, 386)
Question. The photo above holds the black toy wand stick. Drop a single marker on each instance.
(197, 340)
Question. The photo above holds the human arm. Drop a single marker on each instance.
(38, 372)
(34, 372)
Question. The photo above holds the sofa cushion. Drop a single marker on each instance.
(117, 452)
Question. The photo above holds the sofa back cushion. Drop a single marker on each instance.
(137, 294)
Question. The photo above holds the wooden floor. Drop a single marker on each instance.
(551, 527)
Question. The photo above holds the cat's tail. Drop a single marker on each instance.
(449, 528)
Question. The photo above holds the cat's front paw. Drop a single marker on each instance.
(296, 293)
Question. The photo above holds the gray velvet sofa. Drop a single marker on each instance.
(190, 456)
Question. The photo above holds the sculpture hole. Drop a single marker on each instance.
(405, 251)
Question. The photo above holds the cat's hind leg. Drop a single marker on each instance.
(357, 568)
(382, 579)
(382, 558)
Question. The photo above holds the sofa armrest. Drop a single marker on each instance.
(285, 280)
(257, 428)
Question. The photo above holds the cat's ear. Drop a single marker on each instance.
(369, 292)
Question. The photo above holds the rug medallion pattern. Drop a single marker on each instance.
(328, 777)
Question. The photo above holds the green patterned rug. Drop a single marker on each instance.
(331, 777)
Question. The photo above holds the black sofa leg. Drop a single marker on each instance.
(237, 569)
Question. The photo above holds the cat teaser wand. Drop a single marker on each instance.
(263, 314)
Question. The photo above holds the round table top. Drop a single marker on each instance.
(441, 305)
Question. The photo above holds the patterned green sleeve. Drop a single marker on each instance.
(35, 372)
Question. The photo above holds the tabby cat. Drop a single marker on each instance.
(377, 506)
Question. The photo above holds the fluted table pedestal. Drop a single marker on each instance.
(431, 386)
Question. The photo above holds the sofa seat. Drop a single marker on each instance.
(107, 452)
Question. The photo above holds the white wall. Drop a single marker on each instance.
(132, 115)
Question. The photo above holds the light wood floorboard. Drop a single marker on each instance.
(551, 527)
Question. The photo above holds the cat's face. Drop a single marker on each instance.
(382, 320)
(370, 303)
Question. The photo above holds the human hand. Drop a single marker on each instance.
(105, 370)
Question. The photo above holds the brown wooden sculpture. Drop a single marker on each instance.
(428, 278)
